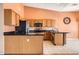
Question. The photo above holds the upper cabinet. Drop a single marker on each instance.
(45, 22)
(17, 7)
(50, 23)
(11, 17)
(17, 19)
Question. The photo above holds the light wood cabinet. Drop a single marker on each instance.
(17, 19)
(31, 22)
(23, 44)
(45, 22)
(11, 17)
(33, 45)
(49, 23)
(59, 39)
(11, 45)
(47, 36)
(13, 20)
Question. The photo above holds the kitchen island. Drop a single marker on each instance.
(31, 43)
(24, 44)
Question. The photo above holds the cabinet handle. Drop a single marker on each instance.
(27, 40)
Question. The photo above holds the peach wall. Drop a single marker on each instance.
(36, 13)
(17, 7)
(76, 15)
(72, 28)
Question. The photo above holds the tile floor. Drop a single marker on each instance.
(70, 48)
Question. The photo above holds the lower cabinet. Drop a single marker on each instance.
(23, 44)
(47, 36)
(59, 39)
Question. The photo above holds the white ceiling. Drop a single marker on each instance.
(63, 7)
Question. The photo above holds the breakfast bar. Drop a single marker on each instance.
(31, 43)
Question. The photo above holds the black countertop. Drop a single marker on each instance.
(22, 34)
(29, 34)
(25, 33)
(32, 32)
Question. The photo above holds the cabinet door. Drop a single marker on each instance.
(59, 39)
(47, 36)
(11, 45)
(17, 19)
(13, 18)
(44, 22)
(10, 17)
(49, 23)
(32, 21)
(53, 22)
(7, 17)
(33, 45)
